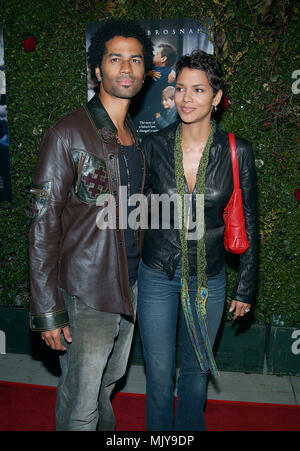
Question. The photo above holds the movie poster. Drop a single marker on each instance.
(5, 182)
(153, 108)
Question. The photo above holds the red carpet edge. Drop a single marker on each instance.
(30, 407)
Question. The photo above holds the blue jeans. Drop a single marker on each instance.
(92, 364)
(158, 312)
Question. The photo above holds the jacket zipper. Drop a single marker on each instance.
(39, 191)
(79, 170)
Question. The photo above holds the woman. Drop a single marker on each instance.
(191, 156)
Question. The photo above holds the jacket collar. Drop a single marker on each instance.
(101, 119)
(103, 122)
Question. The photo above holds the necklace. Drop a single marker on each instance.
(122, 150)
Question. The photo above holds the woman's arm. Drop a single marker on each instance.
(146, 146)
(246, 278)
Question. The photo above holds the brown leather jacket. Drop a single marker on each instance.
(78, 160)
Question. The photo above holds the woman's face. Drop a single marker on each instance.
(194, 97)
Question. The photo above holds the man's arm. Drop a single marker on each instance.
(52, 182)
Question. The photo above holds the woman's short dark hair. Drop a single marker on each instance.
(203, 61)
(126, 29)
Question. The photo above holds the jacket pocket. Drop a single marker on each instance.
(91, 176)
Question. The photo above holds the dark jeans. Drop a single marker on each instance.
(158, 308)
(94, 361)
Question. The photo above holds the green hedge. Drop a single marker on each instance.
(257, 43)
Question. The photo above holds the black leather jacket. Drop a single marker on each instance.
(162, 248)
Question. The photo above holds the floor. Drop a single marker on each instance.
(230, 386)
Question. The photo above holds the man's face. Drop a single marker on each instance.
(122, 68)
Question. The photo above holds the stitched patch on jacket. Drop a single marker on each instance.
(96, 181)
(91, 178)
(38, 201)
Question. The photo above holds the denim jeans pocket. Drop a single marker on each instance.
(149, 269)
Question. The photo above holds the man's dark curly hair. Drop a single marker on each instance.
(110, 29)
(203, 61)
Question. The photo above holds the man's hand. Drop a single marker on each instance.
(52, 338)
(239, 308)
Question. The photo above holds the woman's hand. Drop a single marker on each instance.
(239, 308)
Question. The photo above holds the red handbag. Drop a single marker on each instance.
(235, 236)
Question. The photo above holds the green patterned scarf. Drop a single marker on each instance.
(207, 359)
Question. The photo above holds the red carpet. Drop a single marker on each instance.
(31, 408)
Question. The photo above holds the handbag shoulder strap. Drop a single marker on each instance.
(235, 168)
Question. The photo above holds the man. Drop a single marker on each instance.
(161, 76)
(165, 56)
(83, 278)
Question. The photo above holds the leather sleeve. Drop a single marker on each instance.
(52, 182)
(146, 146)
(246, 279)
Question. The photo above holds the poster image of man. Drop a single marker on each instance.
(161, 76)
